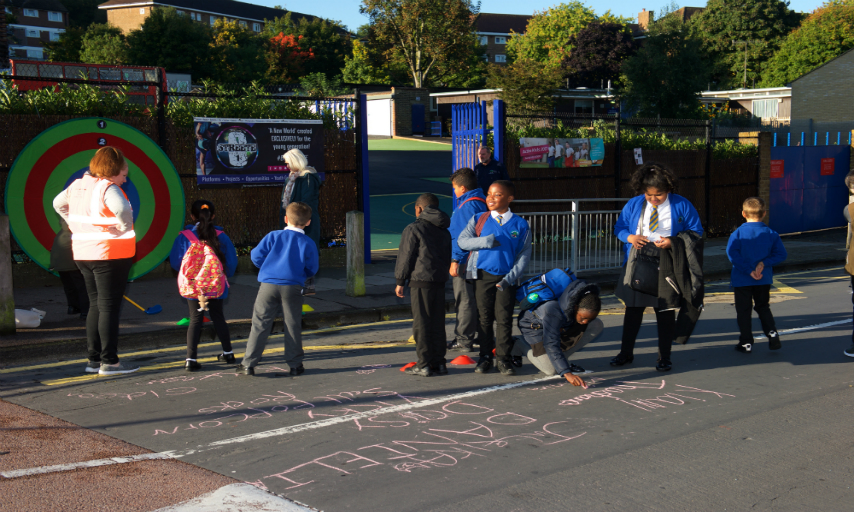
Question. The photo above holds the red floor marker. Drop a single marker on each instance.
(206, 320)
(407, 365)
(463, 360)
(493, 351)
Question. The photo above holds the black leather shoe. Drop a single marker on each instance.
(226, 358)
(422, 372)
(461, 347)
(299, 370)
(244, 370)
(483, 365)
(517, 361)
(505, 367)
(439, 369)
(620, 360)
(192, 366)
(664, 365)
(73, 310)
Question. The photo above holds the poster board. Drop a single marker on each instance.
(550, 153)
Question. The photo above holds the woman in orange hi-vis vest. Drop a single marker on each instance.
(103, 243)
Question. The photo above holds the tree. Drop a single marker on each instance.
(104, 44)
(174, 42)
(598, 53)
(758, 27)
(423, 34)
(665, 75)
(547, 37)
(362, 68)
(827, 33)
(237, 53)
(318, 85)
(525, 85)
(287, 58)
(67, 48)
(82, 13)
(327, 40)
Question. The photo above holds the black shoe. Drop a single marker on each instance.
(577, 370)
(422, 372)
(192, 366)
(245, 370)
(226, 358)
(744, 348)
(462, 347)
(664, 365)
(484, 365)
(505, 367)
(621, 360)
(72, 310)
(850, 351)
(774, 341)
(299, 370)
(516, 361)
(439, 369)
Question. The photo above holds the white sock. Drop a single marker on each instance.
(227, 353)
(193, 360)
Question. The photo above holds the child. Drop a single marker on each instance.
(423, 261)
(753, 249)
(203, 213)
(62, 262)
(286, 259)
(470, 202)
(500, 245)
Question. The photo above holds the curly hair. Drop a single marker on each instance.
(590, 302)
(653, 175)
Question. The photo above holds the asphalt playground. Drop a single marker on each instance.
(722, 431)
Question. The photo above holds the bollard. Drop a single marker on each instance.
(7, 299)
(355, 254)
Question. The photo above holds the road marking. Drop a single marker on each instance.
(351, 417)
(808, 328)
(782, 288)
(18, 473)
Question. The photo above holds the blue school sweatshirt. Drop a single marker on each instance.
(182, 243)
(683, 216)
(514, 240)
(751, 243)
(461, 216)
(285, 257)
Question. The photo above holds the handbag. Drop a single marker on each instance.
(644, 278)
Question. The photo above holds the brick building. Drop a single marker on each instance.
(823, 99)
(494, 30)
(35, 22)
(130, 14)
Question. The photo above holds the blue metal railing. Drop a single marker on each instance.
(827, 140)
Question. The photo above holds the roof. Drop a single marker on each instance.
(228, 8)
(686, 13)
(819, 67)
(501, 23)
(44, 5)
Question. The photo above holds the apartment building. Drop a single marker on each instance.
(494, 30)
(35, 22)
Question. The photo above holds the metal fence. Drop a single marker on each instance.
(579, 238)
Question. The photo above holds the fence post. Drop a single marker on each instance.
(7, 298)
(355, 254)
(574, 249)
(161, 111)
(363, 188)
(708, 175)
(498, 131)
(618, 159)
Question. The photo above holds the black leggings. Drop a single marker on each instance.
(666, 330)
(194, 330)
(105, 283)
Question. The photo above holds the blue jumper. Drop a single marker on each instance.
(499, 250)
(182, 243)
(461, 216)
(285, 257)
(751, 243)
(683, 216)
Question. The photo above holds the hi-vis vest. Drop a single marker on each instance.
(90, 221)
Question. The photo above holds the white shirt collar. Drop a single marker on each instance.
(291, 228)
(504, 216)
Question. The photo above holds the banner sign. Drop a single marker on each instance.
(557, 153)
(250, 151)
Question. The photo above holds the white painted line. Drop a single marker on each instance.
(807, 328)
(238, 498)
(81, 465)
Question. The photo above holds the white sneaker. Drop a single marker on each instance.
(93, 367)
(117, 369)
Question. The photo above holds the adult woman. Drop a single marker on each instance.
(103, 243)
(653, 216)
(303, 185)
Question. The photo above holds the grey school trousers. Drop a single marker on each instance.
(272, 299)
(466, 310)
(522, 348)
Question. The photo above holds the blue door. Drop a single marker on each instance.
(418, 119)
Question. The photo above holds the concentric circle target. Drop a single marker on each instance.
(61, 154)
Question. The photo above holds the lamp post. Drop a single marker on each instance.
(746, 43)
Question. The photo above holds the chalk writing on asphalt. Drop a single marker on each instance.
(371, 368)
(676, 395)
(135, 394)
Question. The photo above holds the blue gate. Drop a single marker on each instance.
(469, 130)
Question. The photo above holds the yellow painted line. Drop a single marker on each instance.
(782, 288)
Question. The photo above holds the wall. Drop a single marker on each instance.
(825, 95)
(128, 18)
(401, 115)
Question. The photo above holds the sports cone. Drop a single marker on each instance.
(493, 351)
(407, 365)
(463, 360)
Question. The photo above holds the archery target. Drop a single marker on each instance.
(61, 154)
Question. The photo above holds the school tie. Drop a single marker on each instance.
(499, 220)
(653, 220)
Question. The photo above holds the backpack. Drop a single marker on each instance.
(544, 287)
(201, 274)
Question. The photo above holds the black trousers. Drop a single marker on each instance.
(75, 290)
(666, 321)
(428, 325)
(105, 282)
(494, 306)
(756, 296)
(197, 318)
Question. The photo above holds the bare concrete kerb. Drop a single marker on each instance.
(7, 299)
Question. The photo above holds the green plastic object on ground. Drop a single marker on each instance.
(183, 322)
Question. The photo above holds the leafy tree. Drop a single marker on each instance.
(362, 68)
(327, 40)
(827, 33)
(82, 13)
(423, 34)
(104, 44)
(237, 53)
(547, 37)
(764, 24)
(172, 41)
(67, 48)
(318, 85)
(598, 52)
(287, 58)
(665, 75)
(525, 85)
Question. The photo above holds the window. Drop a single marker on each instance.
(500, 58)
(8, 10)
(483, 40)
(181, 13)
(33, 32)
(31, 13)
(35, 54)
(434, 104)
(195, 16)
(54, 36)
(765, 108)
(213, 20)
(500, 40)
(243, 24)
(54, 16)
(256, 27)
(486, 57)
(142, 10)
(583, 106)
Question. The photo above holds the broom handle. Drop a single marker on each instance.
(134, 303)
